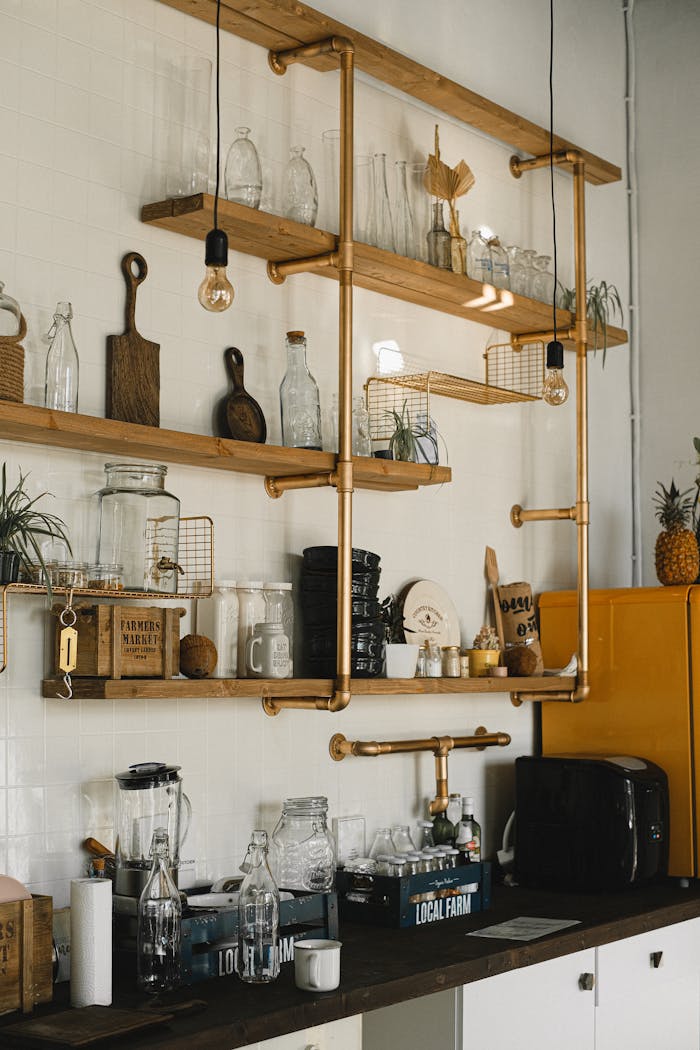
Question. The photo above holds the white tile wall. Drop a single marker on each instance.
(76, 116)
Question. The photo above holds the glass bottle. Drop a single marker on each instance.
(258, 960)
(382, 843)
(404, 234)
(527, 272)
(251, 610)
(468, 840)
(425, 834)
(302, 851)
(401, 838)
(279, 608)
(299, 401)
(439, 241)
(422, 662)
(300, 195)
(458, 245)
(61, 391)
(361, 439)
(518, 270)
(500, 267)
(139, 527)
(243, 175)
(454, 808)
(217, 619)
(10, 314)
(433, 666)
(543, 280)
(383, 227)
(443, 830)
(479, 259)
(159, 923)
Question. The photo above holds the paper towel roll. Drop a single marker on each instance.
(91, 942)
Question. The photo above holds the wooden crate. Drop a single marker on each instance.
(26, 945)
(124, 641)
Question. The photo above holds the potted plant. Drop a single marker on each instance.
(21, 525)
(485, 653)
(401, 656)
(404, 442)
(602, 305)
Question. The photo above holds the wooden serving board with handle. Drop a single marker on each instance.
(133, 363)
(241, 417)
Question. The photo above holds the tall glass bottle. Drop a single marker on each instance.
(404, 236)
(243, 174)
(258, 959)
(299, 401)
(468, 840)
(159, 924)
(439, 240)
(300, 192)
(383, 226)
(61, 391)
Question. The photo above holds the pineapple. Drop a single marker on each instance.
(676, 555)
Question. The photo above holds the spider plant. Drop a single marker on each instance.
(403, 443)
(602, 305)
(21, 524)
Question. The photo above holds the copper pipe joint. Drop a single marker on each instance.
(518, 165)
(518, 341)
(279, 271)
(518, 516)
(280, 60)
(277, 486)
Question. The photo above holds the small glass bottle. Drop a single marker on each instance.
(251, 610)
(422, 664)
(382, 843)
(479, 259)
(279, 608)
(439, 240)
(454, 808)
(300, 194)
(401, 838)
(217, 619)
(468, 840)
(300, 404)
(258, 959)
(451, 857)
(61, 389)
(425, 834)
(404, 234)
(361, 439)
(243, 174)
(458, 246)
(382, 225)
(500, 267)
(543, 280)
(433, 667)
(159, 923)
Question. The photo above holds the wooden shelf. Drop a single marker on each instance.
(42, 426)
(281, 24)
(275, 238)
(177, 688)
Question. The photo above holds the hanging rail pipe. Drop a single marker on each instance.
(580, 512)
(341, 478)
(339, 748)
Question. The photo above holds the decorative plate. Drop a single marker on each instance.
(429, 615)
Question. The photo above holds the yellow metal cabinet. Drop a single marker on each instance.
(645, 691)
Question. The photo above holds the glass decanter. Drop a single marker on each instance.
(300, 194)
(258, 960)
(543, 280)
(383, 227)
(299, 400)
(159, 923)
(439, 240)
(243, 175)
(61, 390)
(404, 236)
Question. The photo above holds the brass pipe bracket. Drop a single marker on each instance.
(518, 515)
(279, 61)
(277, 486)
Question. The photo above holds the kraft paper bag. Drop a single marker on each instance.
(520, 620)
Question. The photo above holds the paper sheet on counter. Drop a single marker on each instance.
(524, 928)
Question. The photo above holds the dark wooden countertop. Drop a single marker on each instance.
(383, 967)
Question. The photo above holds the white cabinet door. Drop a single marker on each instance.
(345, 1034)
(540, 1007)
(648, 990)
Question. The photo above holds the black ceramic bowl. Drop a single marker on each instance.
(320, 610)
(325, 559)
(364, 584)
(367, 640)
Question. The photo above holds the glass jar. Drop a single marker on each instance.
(105, 577)
(451, 857)
(68, 574)
(439, 240)
(217, 619)
(543, 280)
(425, 834)
(382, 844)
(412, 863)
(302, 851)
(401, 837)
(422, 664)
(243, 174)
(251, 610)
(300, 195)
(139, 527)
(279, 608)
(397, 867)
(464, 665)
(450, 661)
(10, 314)
(300, 404)
(433, 663)
(426, 862)
(61, 388)
(440, 860)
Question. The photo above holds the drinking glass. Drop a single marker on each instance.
(404, 233)
(383, 224)
(182, 124)
(420, 209)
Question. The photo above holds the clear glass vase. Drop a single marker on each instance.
(243, 175)
(382, 227)
(439, 240)
(62, 366)
(404, 236)
(300, 195)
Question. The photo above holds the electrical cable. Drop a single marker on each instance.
(218, 114)
(551, 164)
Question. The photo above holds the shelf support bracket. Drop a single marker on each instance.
(339, 748)
(579, 331)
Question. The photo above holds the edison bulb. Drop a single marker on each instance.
(216, 291)
(555, 391)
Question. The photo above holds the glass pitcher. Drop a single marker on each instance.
(302, 850)
(150, 797)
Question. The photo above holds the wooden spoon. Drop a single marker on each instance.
(492, 577)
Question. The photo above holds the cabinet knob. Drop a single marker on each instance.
(586, 982)
(655, 959)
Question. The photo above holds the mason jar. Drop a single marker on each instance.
(302, 851)
(139, 527)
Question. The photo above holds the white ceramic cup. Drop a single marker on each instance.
(267, 652)
(317, 965)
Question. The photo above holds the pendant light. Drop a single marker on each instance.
(216, 291)
(555, 391)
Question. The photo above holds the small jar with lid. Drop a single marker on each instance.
(279, 608)
(451, 857)
(104, 577)
(433, 661)
(251, 610)
(425, 833)
(450, 661)
(397, 867)
(217, 619)
(413, 861)
(426, 862)
(422, 662)
(440, 859)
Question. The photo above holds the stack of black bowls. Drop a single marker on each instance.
(319, 596)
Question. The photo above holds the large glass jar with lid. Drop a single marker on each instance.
(302, 850)
(279, 608)
(299, 401)
(140, 526)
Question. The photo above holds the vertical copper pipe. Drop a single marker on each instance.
(582, 506)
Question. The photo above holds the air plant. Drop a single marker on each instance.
(602, 305)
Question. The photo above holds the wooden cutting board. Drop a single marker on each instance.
(133, 363)
(84, 1027)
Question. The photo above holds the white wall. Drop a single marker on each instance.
(76, 97)
(668, 95)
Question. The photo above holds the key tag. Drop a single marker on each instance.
(67, 646)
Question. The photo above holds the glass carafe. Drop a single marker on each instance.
(404, 236)
(302, 851)
(300, 404)
(439, 240)
(382, 226)
(159, 929)
(150, 796)
(300, 195)
(10, 314)
(139, 527)
(243, 175)
(258, 960)
(61, 389)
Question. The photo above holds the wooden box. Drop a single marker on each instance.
(124, 641)
(26, 945)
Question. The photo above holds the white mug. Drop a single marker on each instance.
(317, 965)
(273, 658)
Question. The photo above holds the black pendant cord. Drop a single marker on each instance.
(551, 162)
(218, 117)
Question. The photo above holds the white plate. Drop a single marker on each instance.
(429, 615)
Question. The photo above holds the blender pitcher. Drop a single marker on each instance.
(150, 796)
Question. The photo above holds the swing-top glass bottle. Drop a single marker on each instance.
(258, 960)
(61, 390)
(159, 923)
